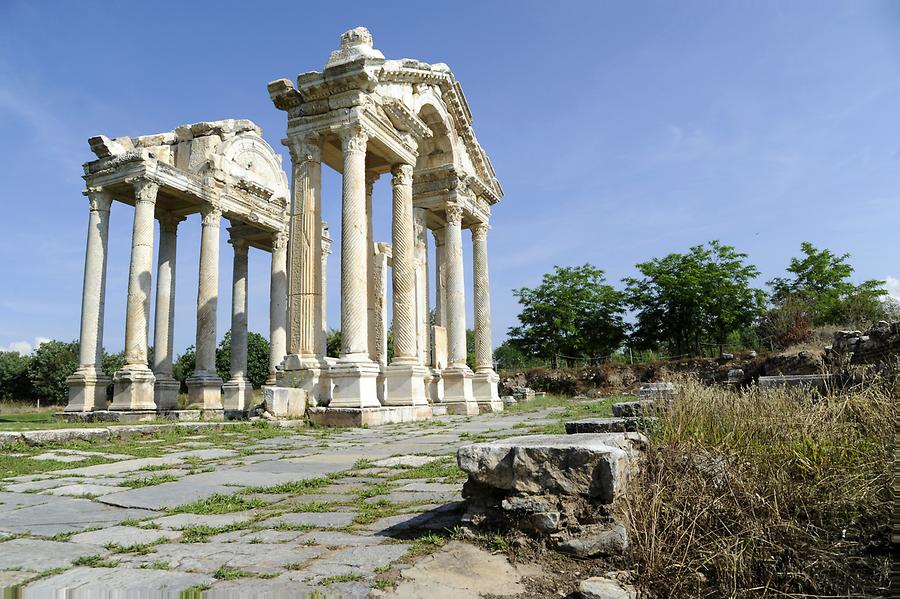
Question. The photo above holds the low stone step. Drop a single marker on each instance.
(625, 409)
(610, 425)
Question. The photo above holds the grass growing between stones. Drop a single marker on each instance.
(443, 470)
(95, 561)
(230, 573)
(148, 481)
(219, 504)
(341, 578)
(297, 487)
(766, 493)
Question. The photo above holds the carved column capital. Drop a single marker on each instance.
(212, 215)
(145, 189)
(99, 199)
(454, 215)
(305, 149)
(353, 139)
(240, 244)
(279, 240)
(480, 231)
(402, 174)
(168, 222)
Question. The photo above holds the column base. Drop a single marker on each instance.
(458, 395)
(357, 417)
(133, 388)
(87, 390)
(165, 392)
(484, 387)
(434, 387)
(354, 385)
(306, 373)
(205, 390)
(237, 394)
(405, 385)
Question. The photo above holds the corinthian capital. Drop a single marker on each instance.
(479, 231)
(145, 189)
(454, 215)
(402, 175)
(353, 138)
(212, 215)
(99, 199)
(279, 240)
(168, 221)
(305, 149)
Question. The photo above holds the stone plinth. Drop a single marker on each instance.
(458, 395)
(87, 390)
(484, 389)
(354, 385)
(405, 385)
(205, 391)
(165, 392)
(355, 417)
(237, 395)
(133, 389)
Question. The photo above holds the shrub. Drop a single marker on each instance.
(765, 494)
(51, 364)
(14, 382)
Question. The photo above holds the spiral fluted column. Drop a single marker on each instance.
(354, 254)
(404, 272)
(237, 391)
(483, 344)
(456, 293)
(166, 387)
(277, 304)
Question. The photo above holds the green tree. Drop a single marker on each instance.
(14, 382)
(684, 300)
(257, 358)
(184, 366)
(333, 343)
(110, 363)
(51, 364)
(572, 313)
(820, 280)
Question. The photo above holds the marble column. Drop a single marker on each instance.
(484, 384)
(204, 385)
(379, 315)
(326, 251)
(305, 253)
(423, 324)
(277, 305)
(370, 267)
(87, 385)
(133, 383)
(166, 387)
(457, 376)
(440, 302)
(354, 376)
(405, 376)
(238, 390)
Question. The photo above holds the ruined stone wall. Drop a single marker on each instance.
(878, 344)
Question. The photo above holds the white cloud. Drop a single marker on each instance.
(25, 347)
(893, 287)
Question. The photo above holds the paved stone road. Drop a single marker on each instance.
(240, 512)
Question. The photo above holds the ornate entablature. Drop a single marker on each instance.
(413, 112)
(226, 164)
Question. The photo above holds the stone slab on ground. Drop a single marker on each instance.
(125, 582)
(123, 535)
(329, 538)
(627, 409)
(64, 514)
(79, 489)
(181, 521)
(314, 519)
(38, 555)
(462, 571)
(600, 587)
(356, 560)
(412, 461)
(260, 558)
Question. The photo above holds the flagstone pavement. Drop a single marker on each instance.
(248, 511)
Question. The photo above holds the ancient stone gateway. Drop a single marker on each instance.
(363, 116)
(220, 168)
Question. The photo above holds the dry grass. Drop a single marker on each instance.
(766, 494)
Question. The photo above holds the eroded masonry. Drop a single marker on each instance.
(365, 117)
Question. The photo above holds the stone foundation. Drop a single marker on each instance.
(132, 416)
(356, 417)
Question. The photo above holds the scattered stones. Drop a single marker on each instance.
(632, 409)
(600, 587)
(663, 391)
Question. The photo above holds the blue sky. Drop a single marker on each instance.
(620, 131)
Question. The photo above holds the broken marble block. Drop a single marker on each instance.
(657, 391)
(560, 487)
(285, 402)
(633, 409)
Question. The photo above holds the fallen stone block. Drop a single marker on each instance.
(657, 391)
(285, 402)
(815, 382)
(610, 425)
(631, 409)
(593, 540)
(600, 587)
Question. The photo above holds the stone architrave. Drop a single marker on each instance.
(354, 376)
(88, 384)
(204, 385)
(484, 384)
(458, 394)
(277, 305)
(405, 377)
(166, 387)
(133, 383)
(238, 390)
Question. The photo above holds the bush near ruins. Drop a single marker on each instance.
(766, 494)
(51, 363)
(14, 382)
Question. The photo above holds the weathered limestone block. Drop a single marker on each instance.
(610, 425)
(657, 391)
(593, 466)
(816, 382)
(604, 587)
(631, 409)
(285, 402)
